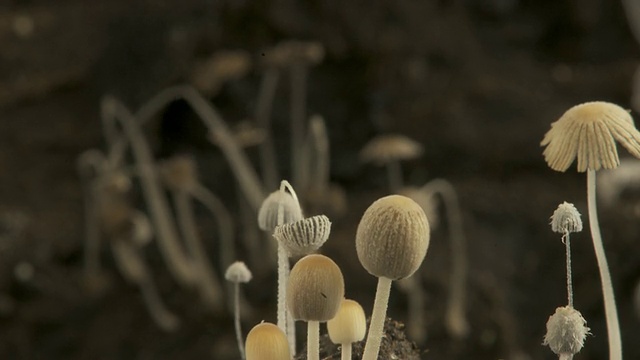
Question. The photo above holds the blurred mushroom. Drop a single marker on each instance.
(210, 74)
(389, 150)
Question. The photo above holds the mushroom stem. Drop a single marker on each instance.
(611, 312)
(313, 340)
(346, 351)
(263, 111)
(567, 243)
(376, 328)
(283, 271)
(394, 172)
(236, 318)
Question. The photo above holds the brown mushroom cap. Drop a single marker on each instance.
(315, 289)
(267, 342)
(392, 237)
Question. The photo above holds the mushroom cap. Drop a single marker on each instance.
(566, 218)
(349, 325)
(428, 201)
(315, 289)
(566, 331)
(588, 131)
(266, 341)
(268, 213)
(303, 236)
(391, 147)
(238, 272)
(392, 237)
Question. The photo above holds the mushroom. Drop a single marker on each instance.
(391, 242)
(238, 273)
(389, 150)
(210, 74)
(566, 332)
(266, 341)
(589, 132)
(314, 294)
(348, 326)
(565, 220)
(303, 236)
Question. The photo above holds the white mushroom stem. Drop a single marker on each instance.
(346, 351)
(263, 118)
(236, 318)
(177, 261)
(455, 320)
(313, 340)
(376, 328)
(209, 286)
(567, 243)
(611, 312)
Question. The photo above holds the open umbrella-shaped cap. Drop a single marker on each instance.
(304, 236)
(387, 148)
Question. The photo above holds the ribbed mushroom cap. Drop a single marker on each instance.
(349, 325)
(386, 148)
(267, 342)
(315, 289)
(304, 236)
(268, 213)
(238, 272)
(566, 218)
(427, 200)
(179, 172)
(392, 237)
(588, 131)
(566, 331)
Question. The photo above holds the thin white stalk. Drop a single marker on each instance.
(455, 318)
(611, 312)
(263, 111)
(240, 165)
(209, 285)
(567, 243)
(283, 277)
(313, 340)
(376, 328)
(177, 261)
(298, 105)
(236, 319)
(346, 352)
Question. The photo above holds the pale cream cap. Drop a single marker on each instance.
(267, 342)
(349, 325)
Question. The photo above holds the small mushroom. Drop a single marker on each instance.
(566, 332)
(303, 236)
(314, 294)
(266, 341)
(238, 273)
(389, 150)
(348, 326)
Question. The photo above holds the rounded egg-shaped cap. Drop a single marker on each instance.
(268, 213)
(566, 331)
(349, 325)
(392, 237)
(315, 289)
(266, 341)
(304, 236)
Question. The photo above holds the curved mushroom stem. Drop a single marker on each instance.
(611, 312)
(376, 328)
(313, 340)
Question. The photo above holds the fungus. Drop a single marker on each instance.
(238, 273)
(314, 294)
(348, 326)
(566, 332)
(588, 131)
(303, 236)
(267, 342)
(210, 74)
(391, 242)
(389, 150)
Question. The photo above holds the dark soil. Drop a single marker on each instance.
(476, 82)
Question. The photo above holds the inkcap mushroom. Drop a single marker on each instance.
(266, 341)
(348, 326)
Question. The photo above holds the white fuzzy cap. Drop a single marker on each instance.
(565, 219)
(268, 213)
(238, 273)
(566, 331)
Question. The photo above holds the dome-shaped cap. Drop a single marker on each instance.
(566, 331)
(267, 342)
(392, 237)
(268, 213)
(315, 289)
(386, 148)
(303, 236)
(238, 272)
(566, 218)
(589, 132)
(349, 325)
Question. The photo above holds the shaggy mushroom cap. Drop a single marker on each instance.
(315, 289)
(565, 219)
(566, 331)
(349, 325)
(304, 236)
(267, 342)
(392, 237)
(384, 149)
(238, 272)
(268, 213)
(589, 132)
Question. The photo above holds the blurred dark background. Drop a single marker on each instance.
(476, 82)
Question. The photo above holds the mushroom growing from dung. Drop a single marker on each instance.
(389, 150)
(348, 326)
(589, 132)
(391, 242)
(314, 294)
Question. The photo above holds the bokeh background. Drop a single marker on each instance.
(477, 83)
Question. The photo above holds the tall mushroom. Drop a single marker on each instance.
(391, 242)
(389, 150)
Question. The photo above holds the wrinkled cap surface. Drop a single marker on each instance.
(304, 236)
(566, 331)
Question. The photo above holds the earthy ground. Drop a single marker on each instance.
(476, 82)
